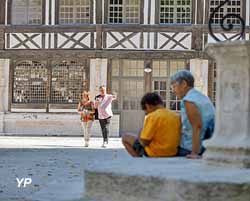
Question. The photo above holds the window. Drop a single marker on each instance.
(27, 12)
(74, 11)
(127, 80)
(233, 6)
(30, 82)
(68, 81)
(124, 11)
(33, 79)
(175, 11)
(162, 71)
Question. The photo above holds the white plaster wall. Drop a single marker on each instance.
(145, 12)
(199, 68)
(4, 88)
(4, 84)
(152, 17)
(247, 12)
(98, 75)
(53, 11)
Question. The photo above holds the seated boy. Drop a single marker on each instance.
(160, 135)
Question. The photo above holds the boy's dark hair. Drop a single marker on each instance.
(151, 99)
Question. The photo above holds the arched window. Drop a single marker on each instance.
(30, 82)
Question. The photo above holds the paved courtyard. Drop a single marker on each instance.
(55, 165)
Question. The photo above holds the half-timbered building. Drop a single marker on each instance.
(52, 50)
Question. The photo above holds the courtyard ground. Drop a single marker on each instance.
(55, 165)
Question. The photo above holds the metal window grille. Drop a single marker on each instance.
(27, 12)
(162, 71)
(30, 82)
(68, 81)
(175, 11)
(124, 11)
(74, 12)
(233, 6)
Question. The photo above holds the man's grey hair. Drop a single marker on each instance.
(183, 75)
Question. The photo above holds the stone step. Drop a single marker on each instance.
(172, 179)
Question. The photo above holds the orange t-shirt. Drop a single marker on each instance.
(162, 128)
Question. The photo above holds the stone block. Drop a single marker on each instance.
(171, 179)
(52, 124)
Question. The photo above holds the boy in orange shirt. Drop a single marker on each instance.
(160, 135)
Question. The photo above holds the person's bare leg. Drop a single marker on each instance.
(128, 142)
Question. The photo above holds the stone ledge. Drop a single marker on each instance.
(50, 124)
(171, 179)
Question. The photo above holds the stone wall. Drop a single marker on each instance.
(52, 124)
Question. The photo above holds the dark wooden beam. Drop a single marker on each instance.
(207, 11)
(81, 54)
(9, 11)
(157, 12)
(98, 11)
(141, 11)
(57, 8)
(2, 39)
(2, 11)
(193, 10)
(200, 11)
(106, 11)
(91, 11)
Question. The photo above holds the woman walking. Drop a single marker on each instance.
(86, 110)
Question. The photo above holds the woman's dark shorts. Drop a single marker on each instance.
(139, 149)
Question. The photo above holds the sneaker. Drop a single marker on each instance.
(103, 145)
(86, 144)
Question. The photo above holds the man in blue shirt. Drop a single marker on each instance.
(197, 115)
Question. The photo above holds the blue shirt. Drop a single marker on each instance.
(207, 111)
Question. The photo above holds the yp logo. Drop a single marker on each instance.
(23, 182)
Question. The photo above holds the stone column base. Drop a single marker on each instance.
(231, 156)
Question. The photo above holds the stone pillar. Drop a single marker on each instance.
(4, 83)
(199, 68)
(231, 141)
(98, 75)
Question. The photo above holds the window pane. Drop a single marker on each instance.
(27, 12)
(160, 68)
(175, 11)
(19, 12)
(134, 68)
(74, 11)
(132, 11)
(115, 11)
(115, 68)
(162, 71)
(233, 7)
